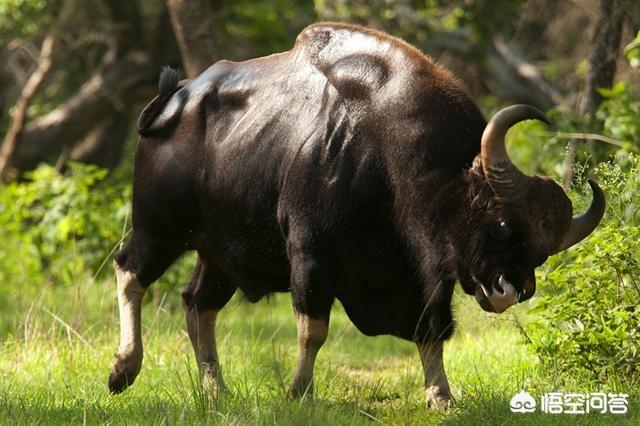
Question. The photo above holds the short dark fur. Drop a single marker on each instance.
(332, 176)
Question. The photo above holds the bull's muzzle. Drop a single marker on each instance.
(501, 294)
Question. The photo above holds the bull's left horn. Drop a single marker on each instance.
(583, 225)
(505, 179)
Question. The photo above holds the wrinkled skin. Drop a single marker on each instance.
(347, 168)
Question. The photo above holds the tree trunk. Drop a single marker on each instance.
(517, 79)
(125, 25)
(193, 27)
(602, 68)
(114, 88)
(103, 145)
(31, 87)
(19, 115)
(605, 53)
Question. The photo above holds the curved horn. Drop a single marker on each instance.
(505, 179)
(583, 225)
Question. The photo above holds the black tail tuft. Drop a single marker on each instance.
(168, 82)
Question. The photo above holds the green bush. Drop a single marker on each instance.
(64, 228)
(59, 226)
(587, 321)
(620, 115)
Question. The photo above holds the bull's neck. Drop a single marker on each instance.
(431, 208)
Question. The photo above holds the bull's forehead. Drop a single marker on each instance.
(548, 213)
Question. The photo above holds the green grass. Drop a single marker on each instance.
(59, 344)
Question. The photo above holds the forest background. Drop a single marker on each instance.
(76, 75)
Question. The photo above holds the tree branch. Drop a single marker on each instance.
(506, 74)
(116, 86)
(28, 92)
(592, 137)
(529, 74)
(103, 145)
(602, 68)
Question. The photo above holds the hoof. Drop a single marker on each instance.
(123, 375)
(438, 399)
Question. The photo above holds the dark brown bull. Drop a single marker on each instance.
(351, 167)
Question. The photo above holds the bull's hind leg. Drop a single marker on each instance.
(312, 283)
(129, 355)
(207, 293)
(137, 266)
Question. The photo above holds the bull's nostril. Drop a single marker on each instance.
(499, 285)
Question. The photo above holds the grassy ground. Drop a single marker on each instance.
(59, 343)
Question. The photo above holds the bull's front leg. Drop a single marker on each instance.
(129, 355)
(312, 281)
(312, 334)
(436, 385)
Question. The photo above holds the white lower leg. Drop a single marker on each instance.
(202, 332)
(436, 385)
(312, 334)
(130, 353)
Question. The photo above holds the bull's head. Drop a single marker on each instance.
(516, 221)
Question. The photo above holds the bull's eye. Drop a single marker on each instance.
(500, 231)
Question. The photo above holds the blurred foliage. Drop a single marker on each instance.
(81, 46)
(261, 28)
(24, 18)
(64, 228)
(632, 50)
(58, 226)
(418, 21)
(537, 149)
(620, 115)
(587, 314)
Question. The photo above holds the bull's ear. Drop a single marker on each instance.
(149, 113)
(165, 107)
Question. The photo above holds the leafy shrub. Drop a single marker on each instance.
(58, 226)
(620, 115)
(587, 319)
(632, 51)
(64, 228)
(535, 150)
